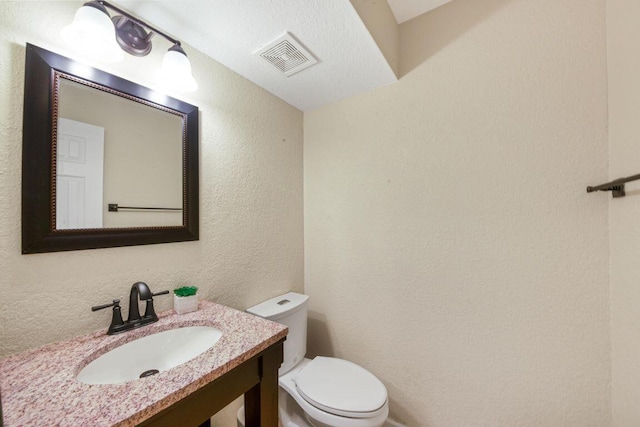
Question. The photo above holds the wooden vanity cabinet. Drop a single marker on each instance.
(257, 379)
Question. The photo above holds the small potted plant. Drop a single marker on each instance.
(185, 299)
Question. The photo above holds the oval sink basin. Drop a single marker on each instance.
(149, 355)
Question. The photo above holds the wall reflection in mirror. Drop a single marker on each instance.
(115, 151)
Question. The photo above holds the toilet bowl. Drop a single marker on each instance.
(320, 392)
(336, 393)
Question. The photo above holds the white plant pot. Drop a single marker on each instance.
(184, 305)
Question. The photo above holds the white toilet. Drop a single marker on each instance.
(325, 391)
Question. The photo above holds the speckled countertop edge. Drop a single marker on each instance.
(38, 387)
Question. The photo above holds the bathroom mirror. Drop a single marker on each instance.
(105, 162)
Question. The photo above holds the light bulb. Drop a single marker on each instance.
(176, 71)
(93, 34)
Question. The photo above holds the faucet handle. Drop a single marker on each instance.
(114, 304)
(116, 319)
(160, 293)
(149, 311)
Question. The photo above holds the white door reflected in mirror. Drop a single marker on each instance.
(79, 171)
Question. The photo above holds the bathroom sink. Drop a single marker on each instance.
(149, 355)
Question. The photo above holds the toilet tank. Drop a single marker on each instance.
(290, 310)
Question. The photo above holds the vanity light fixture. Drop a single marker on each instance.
(97, 35)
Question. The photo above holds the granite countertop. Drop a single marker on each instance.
(38, 387)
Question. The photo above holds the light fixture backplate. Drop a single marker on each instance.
(131, 36)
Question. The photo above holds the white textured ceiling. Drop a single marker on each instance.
(231, 31)
(349, 61)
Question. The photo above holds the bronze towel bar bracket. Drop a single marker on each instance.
(616, 186)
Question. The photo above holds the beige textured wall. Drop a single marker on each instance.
(251, 224)
(623, 39)
(450, 245)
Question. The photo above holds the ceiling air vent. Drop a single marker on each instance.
(287, 55)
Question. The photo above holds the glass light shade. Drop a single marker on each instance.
(176, 71)
(93, 34)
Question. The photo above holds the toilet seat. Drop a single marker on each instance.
(341, 388)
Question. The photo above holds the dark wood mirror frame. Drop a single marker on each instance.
(39, 233)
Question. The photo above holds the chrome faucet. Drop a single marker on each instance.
(139, 291)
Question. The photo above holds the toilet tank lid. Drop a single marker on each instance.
(278, 307)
